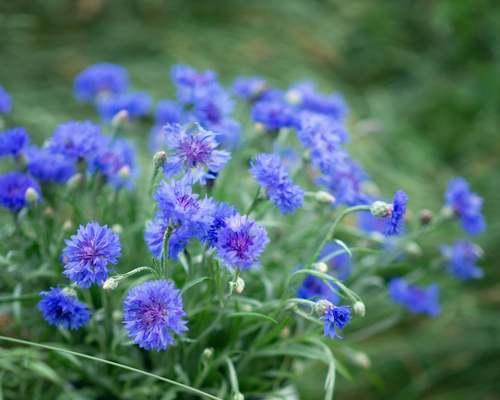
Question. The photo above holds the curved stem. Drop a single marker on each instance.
(182, 386)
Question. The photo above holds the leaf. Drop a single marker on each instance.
(252, 314)
(45, 371)
(193, 283)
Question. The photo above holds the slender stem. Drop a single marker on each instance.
(115, 364)
(256, 200)
(23, 297)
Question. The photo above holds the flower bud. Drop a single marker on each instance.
(259, 128)
(361, 359)
(413, 248)
(48, 212)
(69, 291)
(67, 226)
(110, 284)
(207, 354)
(159, 159)
(293, 97)
(124, 172)
(359, 308)
(75, 181)
(239, 285)
(425, 216)
(117, 228)
(120, 119)
(321, 306)
(381, 209)
(447, 212)
(31, 196)
(324, 197)
(321, 267)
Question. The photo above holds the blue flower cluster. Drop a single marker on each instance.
(63, 310)
(462, 257)
(419, 300)
(13, 190)
(13, 142)
(334, 318)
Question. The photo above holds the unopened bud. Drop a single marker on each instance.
(124, 172)
(75, 181)
(321, 267)
(293, 97)
(120, 118)
(425, 217)
(159, 159)
(117, 228)
(361, 359)
(381, 209)
(69, 291)
(259, 127)
(110, 284)
(359, 308)
(413, 248)
(67, 226)
(239, 285)
(321, 306)
(324, 197)
(207, 354)
(31, 196)
(48, 212)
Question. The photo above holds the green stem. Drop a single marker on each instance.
(182, 386)
(256, 200)
(24, 297)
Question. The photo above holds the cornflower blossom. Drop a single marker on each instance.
(47, 166)
(63, 310)
(335, 318)
(100, 80)
(418, 300)
(135, 104)
(14, 189)
(13, 142)
(76, 140)
(462, 257)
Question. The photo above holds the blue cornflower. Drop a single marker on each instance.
(396, 220)
(176, 201)
(167, 112)
(5, 102)
(241, 242)
(249, 87)
(221, 213)
(335, 317)
(136, 104)
(63, 310)
(88, 254)
(368, 223)
(269, 172)
(193, 151)
(100, 80)
(48, 166)
(116, 161)
(274, 114)
(304, 96)
(462, 257)
(13, 141)
(418, 300)
(466, 205)
(344, 178)
(190, 84)
(153, 313)
(13, 187)
(76, 140)
(340, 264)
(314, 288)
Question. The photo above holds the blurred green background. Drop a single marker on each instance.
(423, 82)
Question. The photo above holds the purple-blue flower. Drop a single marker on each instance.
(269, 172)
(466, 205)
(191, 84)
(314, 288)
(241, 242)
(5, 101)
(462, 257)
(48, 166)
(88, 253)
(337, 259)
(334, 318)
(100, 80)
(418, 300)
(249, 87)
(167, 112)
(274, 114)
(13, 187)
(76, 140)
(116, 161)
(194, 152)
(221, 212)
(396, 219)
(153, 313)
(136, 104)
(63, 310)
(13, 141)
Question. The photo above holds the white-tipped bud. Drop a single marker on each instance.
(324, 197)
(293, 97)
(124, 172)
(110, 284)
(321, 267)
(447, 212)
(75, 181)
(362, 359)
(117, 228)
(321, 306)
(207, 354)
(413, 248)
(239, 285)
(67, 226)
(259, 128)
(120, 119)
(69, 291)
(31, 196)
(381, 209)
(359, 308)
(159, 159)
(246, 308)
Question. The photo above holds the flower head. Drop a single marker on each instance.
(269, 172)
(314, 288)
(190, 83)
(337, 259)
(221, 212)
(88, 253)
(462, 257)
(396, 220)
(100, 80)
(274, 114)
(48, 166)
(466, 206)
(13, 188)
(249, 87)
(13, 141)
(167, 112)
(335, 317)
(193, 151)
(5, 102)
(418, 300)
(63, 310)
(241, 242)
(153, 313)
(136, 104)
(76, 140)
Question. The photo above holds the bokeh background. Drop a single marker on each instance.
(422, 79)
